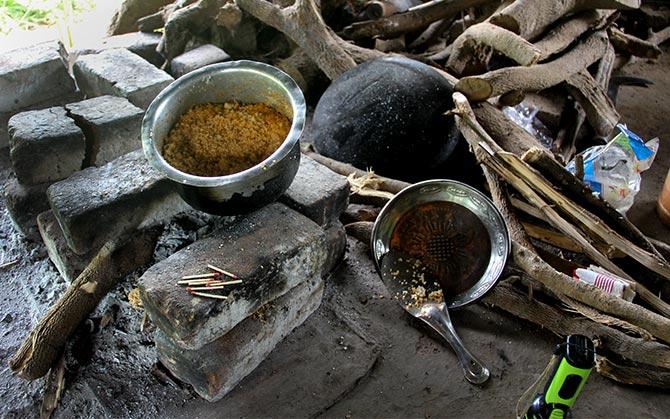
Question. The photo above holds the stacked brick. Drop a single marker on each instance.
(51, 133)
(81, 179)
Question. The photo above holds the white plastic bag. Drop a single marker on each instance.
(613, 170)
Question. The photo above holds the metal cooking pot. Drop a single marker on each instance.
(244, 82)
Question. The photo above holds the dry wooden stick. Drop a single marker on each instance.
(471, 45)
(657, 38)
(581, 216)
(633, 45)
(602, 318)
(487, 151)
(535, 267)
(8, 264)
(488, 157)
(635, 349)
(53, 390)
(605, 68)
(636, 374)
(566, 142)
(561, 37)
(345, 169)
(510, 136)
(412, 20)
(361, 230)
(562, 241)
(530, 18)
(662, 247)
(500, 197)
(303, 23)
(428, 36)
(598, 108)
(578, 192)
(557, 282)
(537, 77)
(46, 341)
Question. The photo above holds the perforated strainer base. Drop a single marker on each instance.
(451, 243)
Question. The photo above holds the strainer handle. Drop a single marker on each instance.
(437, 317)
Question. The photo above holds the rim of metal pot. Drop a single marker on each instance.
(496, 213)
(284, 81)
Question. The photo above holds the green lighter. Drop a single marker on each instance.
(572, 363)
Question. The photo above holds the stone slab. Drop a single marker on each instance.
(24, 203)
(272, 250)
(45, 145)
(101, 203)
(119, 72)
(31, 75)
(57, 101)
(68, 263)
(197, 58)
(314, 367)
(216, 368)
(143, 44)
(337, 239)
(318, 192)
(111, 125)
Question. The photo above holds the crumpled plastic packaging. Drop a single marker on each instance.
(524, 115)
(613, 170)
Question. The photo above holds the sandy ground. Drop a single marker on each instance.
(360, 355)
(646, 112)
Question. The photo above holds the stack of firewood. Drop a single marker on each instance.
(560, 54)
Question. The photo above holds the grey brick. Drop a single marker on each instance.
(111, 125)
(119, 72)
(143, 44)
(216, 368)
(100, 203)
(197, 58)
(337, 240)
(45, 145)
(24, 203)
(318, 192)
(56, 101)
(32, 75)
(68, 263)
(272, 250)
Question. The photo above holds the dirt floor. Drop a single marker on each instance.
(359, 355)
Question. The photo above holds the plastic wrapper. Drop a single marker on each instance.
(525, 116)
(613, 170)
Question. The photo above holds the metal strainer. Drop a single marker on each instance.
(441, 244)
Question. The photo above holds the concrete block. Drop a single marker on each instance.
(272, 250)
(143, 44)
(45, 145)
(216, 368)
(111, 125)
(24, 203)
(119, 72)
(337, 239)
(57, 101)
(197, 58)
(318, 192)
(68, 263)
(326, 357)
(32, 75)
(100, 203)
